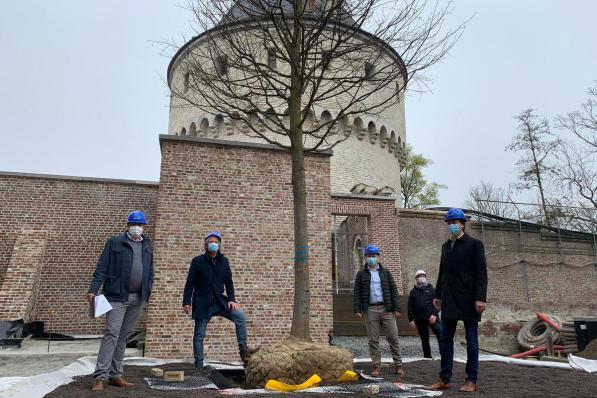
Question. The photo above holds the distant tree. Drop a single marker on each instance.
(488, 198)
(583, 123)
(576, 173)
(537, 144)
(417, 193)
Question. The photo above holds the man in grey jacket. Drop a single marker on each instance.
(125, 270)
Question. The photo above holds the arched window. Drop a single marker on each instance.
(219, 123)
(186, 82)
(193, 130)
(204, 126)
(183, 131)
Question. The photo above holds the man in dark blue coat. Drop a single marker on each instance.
(209, 276)
(125, 273)
(460, 293)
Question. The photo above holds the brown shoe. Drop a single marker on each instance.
(398, 370)
(469, 386)
(99, 385)
(245, 355)
(438, 385)
(376, 372)
(120, 382)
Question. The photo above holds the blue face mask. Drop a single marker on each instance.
(454, 229)
(372, 261)
(213, 247)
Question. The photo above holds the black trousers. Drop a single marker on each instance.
(423, 328)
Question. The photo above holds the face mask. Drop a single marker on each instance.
(421, 280)
(213, 247)
(135, 231)
(372, 261)
(454, 229)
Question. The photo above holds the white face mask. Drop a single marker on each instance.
(421, 280)
(135, 231)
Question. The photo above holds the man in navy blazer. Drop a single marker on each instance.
(209, 275)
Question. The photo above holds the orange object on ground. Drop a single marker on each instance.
(545, 318)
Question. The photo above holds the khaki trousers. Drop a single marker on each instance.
(377, 320)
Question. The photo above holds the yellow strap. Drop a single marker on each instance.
(279, 386)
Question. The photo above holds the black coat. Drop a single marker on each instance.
(113, 269)
(420, 303)
(206, 282)
(362, 290)
(462, 278)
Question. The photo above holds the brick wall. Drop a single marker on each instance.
(244, 192)
(528, 271)
(383, 226)
(19, 297)
(76, 215)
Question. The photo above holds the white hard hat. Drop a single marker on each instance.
(419, 272)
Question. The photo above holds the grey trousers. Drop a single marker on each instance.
(377, 319)
(120, 321)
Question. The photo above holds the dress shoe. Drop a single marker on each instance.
(120, 382)
(99, 385)
(438, 385)
(469, 386)
(398, 370)
(376, 372)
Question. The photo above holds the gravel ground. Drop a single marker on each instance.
(496, 380)
(410, 347)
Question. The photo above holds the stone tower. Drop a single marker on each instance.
(368, 161)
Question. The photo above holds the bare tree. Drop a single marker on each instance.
(416, 192)
(583, 123)
(267, 65)
(488, 198)
(537, 143)
(576, 173)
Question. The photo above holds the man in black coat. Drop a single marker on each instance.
(422, 315)
(209, 275)
(125, 274)
(461, 294)
(376, 297)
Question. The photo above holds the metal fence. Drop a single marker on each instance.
(349, 237)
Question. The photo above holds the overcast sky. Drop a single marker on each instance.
(82, 91)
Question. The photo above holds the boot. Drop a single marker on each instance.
(246, 354)
(438, 385)
(469, 386)
(120, 382)
(398, 370)
(99, 385)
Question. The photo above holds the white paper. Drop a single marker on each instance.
(101, 305)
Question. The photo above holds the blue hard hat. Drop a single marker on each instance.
(136, 217)
(371, 249)
(214, 234)
(455, 214)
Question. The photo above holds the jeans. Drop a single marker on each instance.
(423, 326)
(240, 322)
(447, 349)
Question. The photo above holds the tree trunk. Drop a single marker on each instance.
(302, 292)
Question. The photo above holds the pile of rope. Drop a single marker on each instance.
(534, 333)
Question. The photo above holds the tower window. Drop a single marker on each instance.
(222, 65)
(271, 58)
(369, 70)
